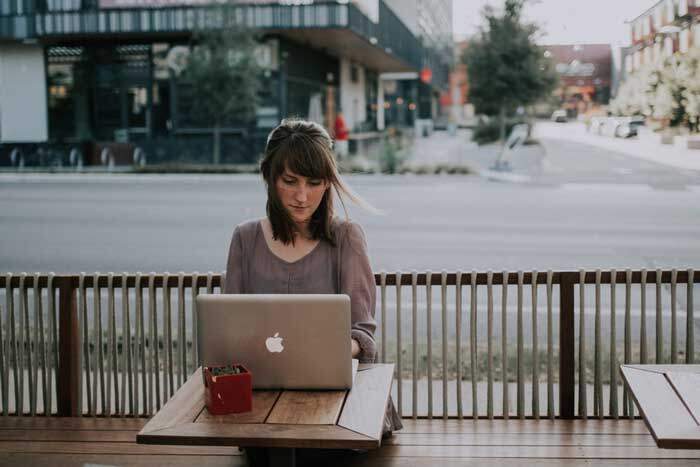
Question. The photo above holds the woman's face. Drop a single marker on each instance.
(300, 195)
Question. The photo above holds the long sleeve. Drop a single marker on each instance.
(357, 281)
(234, 265)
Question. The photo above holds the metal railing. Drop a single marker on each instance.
(120, 345)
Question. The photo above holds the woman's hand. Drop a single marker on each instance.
(355, 348)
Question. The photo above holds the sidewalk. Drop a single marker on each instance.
(646, 146)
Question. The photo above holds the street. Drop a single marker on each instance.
(577, 207)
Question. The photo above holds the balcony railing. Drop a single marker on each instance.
(20, 20)
(464, 344)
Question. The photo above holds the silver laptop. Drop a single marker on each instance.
(286, 341)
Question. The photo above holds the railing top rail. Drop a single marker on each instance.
(406, 278)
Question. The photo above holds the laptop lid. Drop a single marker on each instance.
(286, 341)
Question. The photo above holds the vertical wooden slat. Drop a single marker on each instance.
(690, 329)
(628, 406)
(674, 332)
(535, 352)
(3, 366)
(504, 344)
(614, 364)
(12, 343)
(567, 346)
(598, 353)
(111, 349)
(68, 377)
(97, 355)
(139, 349)
(659, 321)
(582, 379)
(382, 292)
(643, 318)
(429, 326)
(458, 338)
(195, 342)
(53, 336)
(39, 344)
(399, 368)
(182, 344)
(153, 360)
(443, 321)
(128, 374)
(520, 350)
(550, 348)
(414, 344)
(167, 324)
(23, 324)
(84, 354)
(472, 345)
(489, 345)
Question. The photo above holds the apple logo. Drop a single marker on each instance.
(274, 343)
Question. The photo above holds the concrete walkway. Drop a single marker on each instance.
(646, 146)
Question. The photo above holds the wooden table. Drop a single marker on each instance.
(280, 420)
(668, 397)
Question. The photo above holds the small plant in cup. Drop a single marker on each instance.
(226, 370)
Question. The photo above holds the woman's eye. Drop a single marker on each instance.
(289, 181)
(315, 182)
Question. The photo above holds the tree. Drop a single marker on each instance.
(224, 75)
(506, 68)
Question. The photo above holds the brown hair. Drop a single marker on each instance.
(306, 149)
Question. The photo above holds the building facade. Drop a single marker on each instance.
(413, 97)
(585, 76)
(75, 73)
(668, 27)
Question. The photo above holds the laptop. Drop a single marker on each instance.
(286, 341)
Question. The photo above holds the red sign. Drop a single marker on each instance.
(426, 75)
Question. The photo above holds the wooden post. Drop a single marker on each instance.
(567, 336)
(68, 378)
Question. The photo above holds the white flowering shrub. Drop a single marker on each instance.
(668, 91)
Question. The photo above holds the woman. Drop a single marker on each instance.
(300, 247)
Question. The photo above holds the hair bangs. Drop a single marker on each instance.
(301, 156)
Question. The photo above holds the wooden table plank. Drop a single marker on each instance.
(666, 368)
(184, 407)
(112, 448)
(71, 423)
(687, 385)
(262, 404)
(537, 452)
(263, 435)
(668, 419)
(528, 426)
(307, 407)
(519, 439)
(121, 460)
(366, 403)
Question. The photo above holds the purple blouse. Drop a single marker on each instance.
(342, 269)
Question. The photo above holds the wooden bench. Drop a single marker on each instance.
(63, 442)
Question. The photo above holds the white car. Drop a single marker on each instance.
(560, 116)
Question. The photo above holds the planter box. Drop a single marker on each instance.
(226, 394)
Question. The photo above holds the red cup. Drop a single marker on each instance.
(226, 394)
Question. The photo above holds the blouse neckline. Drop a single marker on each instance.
(282, 260)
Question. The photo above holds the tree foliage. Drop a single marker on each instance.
(224, 75)
(506, 68)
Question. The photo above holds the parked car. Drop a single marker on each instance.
(625, 128)
(559, 116)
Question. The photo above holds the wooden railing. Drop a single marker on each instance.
(67, 355)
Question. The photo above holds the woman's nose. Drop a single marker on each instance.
(301, 194)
